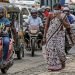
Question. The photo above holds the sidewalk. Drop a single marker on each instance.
(70, 66)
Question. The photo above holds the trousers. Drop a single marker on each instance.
(6, 41)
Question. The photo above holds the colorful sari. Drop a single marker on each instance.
(55, 47)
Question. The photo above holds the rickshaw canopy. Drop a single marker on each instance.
(13, 9)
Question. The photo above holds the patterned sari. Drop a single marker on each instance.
(55, 47)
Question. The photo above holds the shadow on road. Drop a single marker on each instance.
(29, 55)
(3, 74)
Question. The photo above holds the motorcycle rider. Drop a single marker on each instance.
(71, 21)
(70, 17)
(34, 21)
(4, 35)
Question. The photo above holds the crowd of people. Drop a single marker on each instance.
(57, 24)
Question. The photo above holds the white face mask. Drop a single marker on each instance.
(66, 12)
(56, 11)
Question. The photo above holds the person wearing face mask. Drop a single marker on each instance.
(54, 38)
(71, 20)
(34, 22)
(46, 11)
(70, 17)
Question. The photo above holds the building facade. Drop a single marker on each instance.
(49, 2)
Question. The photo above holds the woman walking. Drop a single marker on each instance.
(55, 39)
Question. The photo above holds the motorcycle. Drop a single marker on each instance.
(5, 65)
(35, 43)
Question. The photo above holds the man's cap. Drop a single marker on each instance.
(48, 7)
(33, 10)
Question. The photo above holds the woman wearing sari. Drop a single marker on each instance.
(55, 39)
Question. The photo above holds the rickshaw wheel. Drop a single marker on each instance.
(20, 53)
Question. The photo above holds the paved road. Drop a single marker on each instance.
(27, 64)
(37, 66)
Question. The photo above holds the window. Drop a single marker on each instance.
(47, 2)
(25, 11)
(51, 4)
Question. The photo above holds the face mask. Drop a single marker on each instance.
(57, 11)
(66, 12)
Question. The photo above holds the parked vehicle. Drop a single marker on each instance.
(25, 12)
(13, 13)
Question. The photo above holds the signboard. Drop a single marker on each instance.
(62, 2)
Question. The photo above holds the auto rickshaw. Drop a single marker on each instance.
(13, 13)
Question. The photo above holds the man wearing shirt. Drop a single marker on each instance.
(34, 19)
(34, 22)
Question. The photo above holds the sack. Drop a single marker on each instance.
(44, 51)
